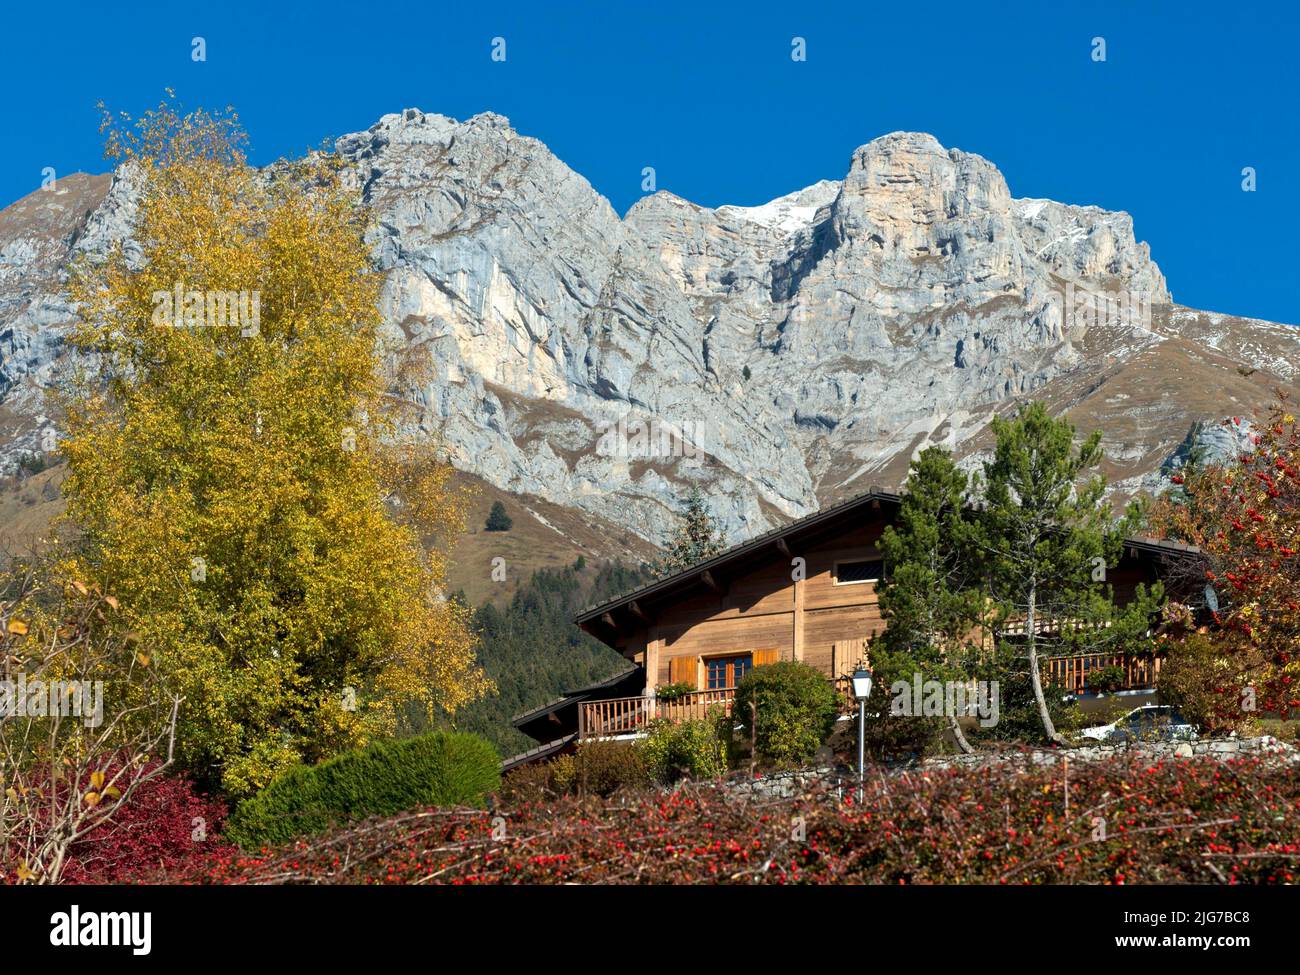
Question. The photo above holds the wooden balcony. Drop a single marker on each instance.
(625, 716)
(628, 716)
(1071, 673)
(621, 716)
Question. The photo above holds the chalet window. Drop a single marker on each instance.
(724, 672)
(859, 570)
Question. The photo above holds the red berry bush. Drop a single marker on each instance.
(164, 830)
(1245, 518)
(1129, 820)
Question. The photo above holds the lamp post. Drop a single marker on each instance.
(862, 690)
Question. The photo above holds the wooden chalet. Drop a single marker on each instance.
(706, 626)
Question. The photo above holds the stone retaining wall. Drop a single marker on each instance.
(1222, 748)
(784, 784)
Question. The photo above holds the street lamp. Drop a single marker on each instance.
(861, 680)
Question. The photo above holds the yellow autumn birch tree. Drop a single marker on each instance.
(234, 465)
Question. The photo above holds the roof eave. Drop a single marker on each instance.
(591, 620)
(693, 573)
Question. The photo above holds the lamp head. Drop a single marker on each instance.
(861, 680)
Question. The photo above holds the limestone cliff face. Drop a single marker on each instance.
(783, 355)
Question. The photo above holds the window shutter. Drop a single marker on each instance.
(762, 657)
(681, 670)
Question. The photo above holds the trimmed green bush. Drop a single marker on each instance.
(531, 783)
(604, 767)
(439, 769)
(595, 768)
(693, 748)
(796, 710)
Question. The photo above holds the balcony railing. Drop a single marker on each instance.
(629, 715)
(621, 716)
(1072, 672)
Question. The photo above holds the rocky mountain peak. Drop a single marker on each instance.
(783, 355)
(793, 212)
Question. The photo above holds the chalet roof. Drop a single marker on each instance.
(873, 498)
(541, 751)
(569, 696)
(759, 542)
(1152, 544)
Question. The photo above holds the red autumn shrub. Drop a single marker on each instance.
(1130, 820)
(165, 829)
(1245, 518)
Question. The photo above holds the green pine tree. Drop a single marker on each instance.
(697, 537)
(1046, 541)
(534, 652)
(931, 595)
(497, 519)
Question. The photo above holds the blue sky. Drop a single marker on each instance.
(1190, 94)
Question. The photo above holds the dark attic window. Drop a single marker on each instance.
(859, 570)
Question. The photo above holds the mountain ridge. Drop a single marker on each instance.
(788, 354)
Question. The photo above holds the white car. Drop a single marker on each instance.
(1154, 721)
